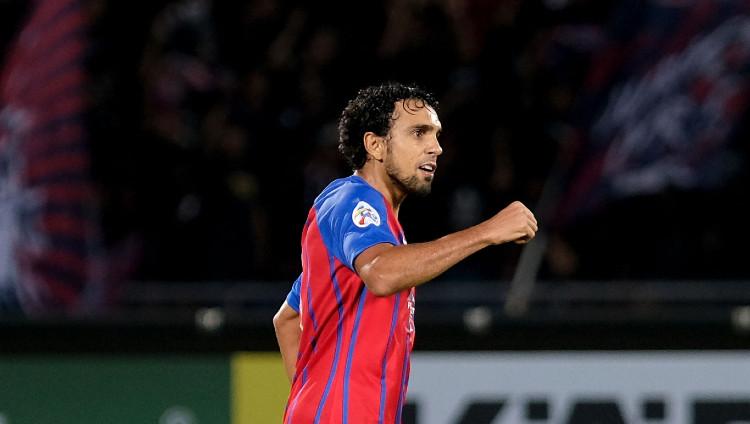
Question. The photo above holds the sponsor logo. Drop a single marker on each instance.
(708, 409)
(410, 325)
(579, 388)
(364, 215)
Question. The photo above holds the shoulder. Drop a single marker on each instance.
(351, 197)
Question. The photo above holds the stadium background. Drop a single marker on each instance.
(157, 161)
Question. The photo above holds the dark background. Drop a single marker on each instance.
(212, 127)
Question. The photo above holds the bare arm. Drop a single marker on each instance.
(286, 325)
(387, 269)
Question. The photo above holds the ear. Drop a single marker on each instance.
(375, 146)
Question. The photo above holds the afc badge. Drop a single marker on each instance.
(364, 215)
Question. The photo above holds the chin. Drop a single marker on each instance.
(415, 185)
(422, 190)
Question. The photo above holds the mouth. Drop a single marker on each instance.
(428, 168)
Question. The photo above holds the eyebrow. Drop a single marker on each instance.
(427, 127)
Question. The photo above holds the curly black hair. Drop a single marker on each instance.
(372, 110)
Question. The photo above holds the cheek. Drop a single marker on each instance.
(402, 157)
(406, 163)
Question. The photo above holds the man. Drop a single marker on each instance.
(346, 330)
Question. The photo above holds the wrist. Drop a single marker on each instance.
(484, 234)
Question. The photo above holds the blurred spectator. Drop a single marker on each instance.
(219, 123)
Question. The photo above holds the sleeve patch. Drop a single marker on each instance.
(364, 215)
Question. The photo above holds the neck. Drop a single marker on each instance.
(382, 182)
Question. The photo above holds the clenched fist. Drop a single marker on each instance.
(515, 223)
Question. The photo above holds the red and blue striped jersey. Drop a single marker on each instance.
(353, 362)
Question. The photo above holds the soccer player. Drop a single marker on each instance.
(346, 329)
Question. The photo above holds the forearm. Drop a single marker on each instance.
(395, 268)
(287, 328)
(289, 346)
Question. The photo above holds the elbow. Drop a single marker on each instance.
(381, 280)
(380, 286)
(278, 321)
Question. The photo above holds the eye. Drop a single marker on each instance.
(418, 132)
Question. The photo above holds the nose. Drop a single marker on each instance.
(435, 148)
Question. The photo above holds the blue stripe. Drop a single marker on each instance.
(339, 330)
(72, 64)
(74, 209)
(350, 355)
(310, 308)
(56, 124)
(394, 318)
(309, 294)
(49, 152)
(291, 411)
(72, 245)
(304, 376)
(314, 337)
(404, 379)
(68, 175)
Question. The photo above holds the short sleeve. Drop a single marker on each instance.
(364, 224)
(292, 299)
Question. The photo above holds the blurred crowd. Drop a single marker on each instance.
(213, 128)
(240, 102)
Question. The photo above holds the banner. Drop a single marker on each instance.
(48, 224)
(666, 90)
(445, 388)
(243, 388)
(114, 390)
(580, 388)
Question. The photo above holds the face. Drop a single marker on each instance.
(413, 147)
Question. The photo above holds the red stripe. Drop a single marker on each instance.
(8, 77)
(61, 291)
(27, 75)
(319, 363)
(68, 192)
(65, 225)
(66, 108)
(372, 340)
(306, 398)
(393, 223)
(63, 55)
(61, 109)
(59, 163)
(333, 409)
(45, 10)
(64, 134)
(64, 260)
(73, 78)
(33, 30)
(59, 30)
(41, 28)
(69, 105)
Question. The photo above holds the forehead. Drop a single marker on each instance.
(414, 112)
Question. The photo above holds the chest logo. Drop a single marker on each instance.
(364, 215)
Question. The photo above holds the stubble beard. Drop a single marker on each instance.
(409, 185)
